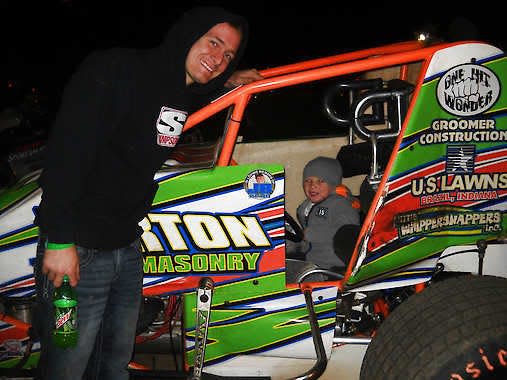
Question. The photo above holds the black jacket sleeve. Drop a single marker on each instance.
(80, 127)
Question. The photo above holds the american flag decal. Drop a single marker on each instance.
(460, 158)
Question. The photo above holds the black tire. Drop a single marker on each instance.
(454, 329)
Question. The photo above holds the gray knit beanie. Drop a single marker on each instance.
(326, 168)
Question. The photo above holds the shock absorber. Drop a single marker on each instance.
(204, 294)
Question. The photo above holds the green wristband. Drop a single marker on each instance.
(58, 245)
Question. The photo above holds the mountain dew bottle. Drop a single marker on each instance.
(65, 301)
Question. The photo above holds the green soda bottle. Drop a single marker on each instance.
(65, 301)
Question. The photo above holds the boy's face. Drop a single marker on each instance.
(316, 190)
(210, 55)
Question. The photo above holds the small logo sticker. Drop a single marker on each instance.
(460, 158)
(468, 90)
(169, 126)
(259, 184)
(322, 212)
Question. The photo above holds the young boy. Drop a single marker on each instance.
(323, 212)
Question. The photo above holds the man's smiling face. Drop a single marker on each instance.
(210, 55)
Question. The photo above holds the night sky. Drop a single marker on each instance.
(46, 39)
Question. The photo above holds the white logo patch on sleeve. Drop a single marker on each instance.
(322, 212)
(169, 126)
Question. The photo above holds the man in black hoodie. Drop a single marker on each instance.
(121, 114)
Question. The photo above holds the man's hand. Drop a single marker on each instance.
(60, 262)
(240, 77)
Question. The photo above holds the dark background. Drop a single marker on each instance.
(44, 40)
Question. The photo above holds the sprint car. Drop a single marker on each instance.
(421, 131)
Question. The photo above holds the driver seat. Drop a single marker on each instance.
(344, 241)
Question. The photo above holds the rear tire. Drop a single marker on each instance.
(454, 329)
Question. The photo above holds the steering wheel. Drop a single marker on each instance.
(293, 230)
